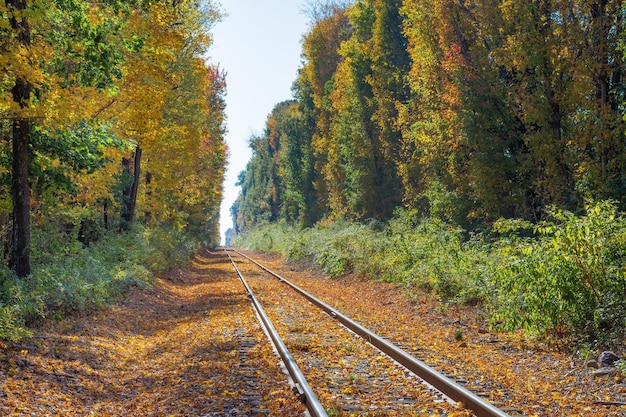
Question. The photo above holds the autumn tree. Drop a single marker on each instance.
(206, 180)
(41, 67)
(21, 93)
(541, 77)
(459, 132)
(321, 53)
(170, 106)
(295, 162)
(600, 63)
(262, 189)
(489, 108)
(83, 81)
(432, 150)
(300, 173)
(513, 91)
(368, 85)
(390, 63)
(564, 70)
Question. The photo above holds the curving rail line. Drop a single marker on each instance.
(442, 383)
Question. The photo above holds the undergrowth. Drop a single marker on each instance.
(564, 277)
(68, 277)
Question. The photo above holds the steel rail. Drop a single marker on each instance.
(304, 391)
(444, 384)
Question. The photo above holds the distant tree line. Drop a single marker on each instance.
(499, 108)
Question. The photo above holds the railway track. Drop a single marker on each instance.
(337, 366)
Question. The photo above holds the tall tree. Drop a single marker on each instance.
(42, 68)
(602, 170)
(321, 53)
(301, 141)
(258, 201)
(433, 149)
(295, 163)
(21, 92)
(82, 78)
(501, 107)
(512, 89)
(165, 105)
(566, 87)
(369, 85)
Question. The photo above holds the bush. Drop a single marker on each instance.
(68, 277)
(12, 327)
(272, 238)
(566, 276)
(570, 279)
(164, 248)
(346, 250)
(409, 250)
(434, 256)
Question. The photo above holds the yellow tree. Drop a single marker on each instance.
(432, 139)
(564, 60)
(40, 68)
(321, 52)
(368, 86)
(162, 105)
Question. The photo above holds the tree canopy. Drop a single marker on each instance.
(109, 107)
(505, 108)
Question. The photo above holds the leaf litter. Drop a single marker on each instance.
(175, 349)
(170, 350)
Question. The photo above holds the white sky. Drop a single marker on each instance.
(258, 44)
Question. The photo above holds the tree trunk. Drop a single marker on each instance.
(130, 191)
(148, 213)
(105, 215)
(20, 239)
(20, 189)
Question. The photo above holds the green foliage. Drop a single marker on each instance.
(11, 326)
(432, 255)
(163, 248)
(441, 204)
(466, 112)
(274, 237)
(570, 278)
(408, 250)
(346, 250)
(277, 182)
(68, 277)
(563, 277)
(621, 366)
(87, 55)
(59, 155)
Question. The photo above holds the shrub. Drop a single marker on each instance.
(12, 327)
(430, 254)
(571, 278)
(164, 248)
(409, 250)
(271, 237)
(345, 250)
(564, 276)
(68, 277)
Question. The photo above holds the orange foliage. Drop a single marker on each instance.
(174, 350)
